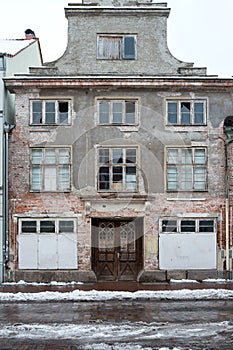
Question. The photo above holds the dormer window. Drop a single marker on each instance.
(116, 47)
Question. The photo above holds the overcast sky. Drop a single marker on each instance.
(199, 31)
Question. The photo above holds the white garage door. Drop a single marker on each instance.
(187, 251)
(48, 243)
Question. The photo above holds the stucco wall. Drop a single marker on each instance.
(152, 136)
(150, 28)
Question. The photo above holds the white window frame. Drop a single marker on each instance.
(39, 220)
(176, 169)
(120, 47)
(117, 186)
(123, 102)
(47, 182)
(192, 112)
(177, 223)
(56, 112)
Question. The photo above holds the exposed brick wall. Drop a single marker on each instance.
(152, 137)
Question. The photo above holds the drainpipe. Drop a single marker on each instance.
(7, 129)
(227, 208)
(2, 247)
(228, 130)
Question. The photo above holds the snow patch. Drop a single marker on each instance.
(93, 295)
(125, 332)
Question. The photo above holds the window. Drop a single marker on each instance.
(188, 226)
(50, 169)
(2, 63)
(186, 169)
(186, 112)
(47, 226)
(116, 47)
(50, 112)
(117, 169)
(118, 112)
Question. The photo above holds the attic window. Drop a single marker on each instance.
(116, 47)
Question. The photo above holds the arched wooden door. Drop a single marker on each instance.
(117, 249)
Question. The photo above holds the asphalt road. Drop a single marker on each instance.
(115, 325)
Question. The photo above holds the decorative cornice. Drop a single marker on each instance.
(162, 83)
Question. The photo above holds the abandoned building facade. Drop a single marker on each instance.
(119, 160)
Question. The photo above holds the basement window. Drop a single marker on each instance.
(50, 112)
(116, 47)
(186, 112)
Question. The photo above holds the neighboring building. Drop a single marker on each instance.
(15, 57)
(117, 161)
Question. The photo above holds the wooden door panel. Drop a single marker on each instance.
(117, 249)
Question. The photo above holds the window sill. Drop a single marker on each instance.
(115, 195)
(40, 191)
(186, 199)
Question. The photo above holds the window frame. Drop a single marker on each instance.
(110, 164)
(57, 165)
(192, 112)
(56, 220)
(122, 55)
(178, 173)
(124, 102)
(57, 103)
(179, 221)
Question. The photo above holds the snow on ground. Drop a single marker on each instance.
(93, 295)
(124, 331)
(128, 333)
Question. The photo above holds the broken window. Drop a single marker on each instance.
(121, 112)
(186, 112)
(116, 47)
(186, 169)
(50, 169)
(50, 112)
(117, 169)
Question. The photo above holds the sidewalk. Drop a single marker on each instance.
(23, 287)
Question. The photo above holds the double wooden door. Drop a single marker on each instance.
(117, 249)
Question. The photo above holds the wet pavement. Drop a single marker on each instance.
(115, 325)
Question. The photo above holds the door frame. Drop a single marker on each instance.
(115, 267)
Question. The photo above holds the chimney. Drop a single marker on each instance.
(29, 34)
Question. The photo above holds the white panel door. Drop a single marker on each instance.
(187, 251)
(27, 251)
(47, 251)
(67, 251)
